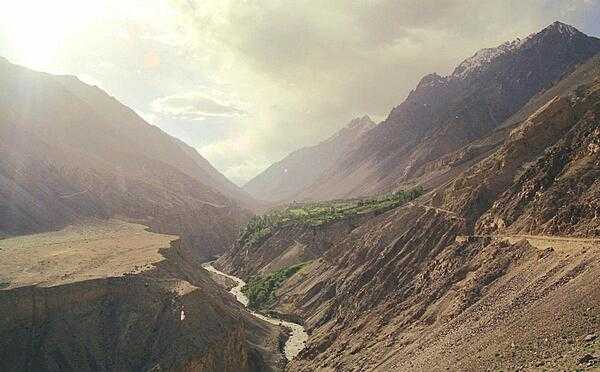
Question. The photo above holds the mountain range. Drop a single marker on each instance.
(495, 266)
(420, 141)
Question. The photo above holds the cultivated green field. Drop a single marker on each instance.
(318, 213)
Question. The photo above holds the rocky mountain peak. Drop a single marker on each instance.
(555, 35)
(431, 80)
(354, 129)
(484, 57)
(562, 29)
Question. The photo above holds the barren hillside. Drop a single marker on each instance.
(284, 180)
(444, 114)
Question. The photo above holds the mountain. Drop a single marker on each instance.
(481, 272)
(69, 151)
(283, 180)
(496, 266)
(414, 145)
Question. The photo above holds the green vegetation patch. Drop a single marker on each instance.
(260, 290)
(261, 227)
(4, 285)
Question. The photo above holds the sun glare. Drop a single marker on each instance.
(37, 31)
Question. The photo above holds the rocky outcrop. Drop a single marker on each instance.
(557, 193)
(166, 316)
(542, 179)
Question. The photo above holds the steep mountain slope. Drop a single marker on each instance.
(444, 114)
(283, 180)
(139, 137)
(494, 269)
(70, 151)
(405, 291)
(289, 245)
(545, 165)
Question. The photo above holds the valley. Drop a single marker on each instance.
(462, 232)
(491, 267)
(295, 341)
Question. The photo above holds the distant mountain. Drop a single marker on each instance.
(283, 180)
(70, 151)
(416, 143)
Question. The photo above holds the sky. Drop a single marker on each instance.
(247, 82)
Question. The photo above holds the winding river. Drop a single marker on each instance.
(298, 336)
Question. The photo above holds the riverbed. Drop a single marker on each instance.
(298, 335)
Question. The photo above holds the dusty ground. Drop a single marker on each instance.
(100, 249)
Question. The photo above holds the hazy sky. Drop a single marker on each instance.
(246, 82)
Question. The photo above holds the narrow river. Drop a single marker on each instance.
(298, 336)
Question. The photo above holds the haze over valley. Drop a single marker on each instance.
(221, 186)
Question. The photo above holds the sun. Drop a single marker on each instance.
(35, 32)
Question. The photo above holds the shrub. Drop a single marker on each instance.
(259, 228)
(261, 289)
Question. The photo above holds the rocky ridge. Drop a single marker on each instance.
(445, 114)
(284, 180)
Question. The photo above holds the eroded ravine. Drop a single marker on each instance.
(298, 337)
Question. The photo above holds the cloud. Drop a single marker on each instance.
(193, 106)
(270, 76)
(307, 68)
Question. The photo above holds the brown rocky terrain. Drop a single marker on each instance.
(109, 295)
(81, 290)
(407, 296)
(284, 180)
(494, 269)
(290, 245)
(543, 179)
(69, 151)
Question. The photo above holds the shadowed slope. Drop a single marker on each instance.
(69, 151)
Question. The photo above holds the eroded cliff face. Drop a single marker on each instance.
(126, 324)
(406, 292)
(286, 246)
(168, 315)
(544, 177)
